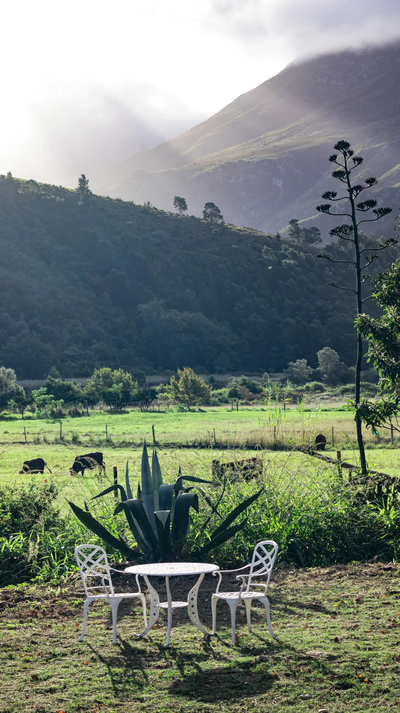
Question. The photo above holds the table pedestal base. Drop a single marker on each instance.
(169, 605)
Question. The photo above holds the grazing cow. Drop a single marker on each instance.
(320, 442)
(249, 468)
(34, 465)
(88, 460)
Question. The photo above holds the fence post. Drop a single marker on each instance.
(61, 436)
(106, 433)
(237, 405)
(339, 458)
(391, 433)
(115, 483)
(274, 434)
(333, 436)
(215, 438)
(154, 436)
(26, 439)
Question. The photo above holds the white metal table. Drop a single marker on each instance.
(167, 570)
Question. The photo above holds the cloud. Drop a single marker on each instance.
(307, 26)
(87, 85)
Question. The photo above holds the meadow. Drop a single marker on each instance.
(336, 623)
(269, 426)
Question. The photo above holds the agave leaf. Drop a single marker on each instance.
(92, 524)
(128, 485)
(222, 537)
(180, 523)
(111, 489)
(207, 499)
(166, 492)
(178, 485)
(236, 512)
(147, 489)
(134, 527)
(157, 478)
(195, 479)
(163, 521)
(137, 511)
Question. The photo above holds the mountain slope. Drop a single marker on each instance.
(103, 282)
(263, 158)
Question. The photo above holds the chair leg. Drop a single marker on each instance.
(214, 602)
(114, 604)
(233, 603)
(85, 613)
(143, 600)
(265, 601)
(247, 603)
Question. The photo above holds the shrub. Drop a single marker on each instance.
(315, 386)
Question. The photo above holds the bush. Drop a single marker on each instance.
(36, 542)
(315, 386)
(316, 519)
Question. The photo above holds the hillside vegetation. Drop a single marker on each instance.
(102, 282)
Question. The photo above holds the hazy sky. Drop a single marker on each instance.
(86, 83)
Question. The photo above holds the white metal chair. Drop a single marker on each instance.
(96, 577)
(261, 565)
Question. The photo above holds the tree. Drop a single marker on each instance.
(83, 186)
(309, 236)
(188, 389)
(19, 400)
(180, 205)
(8, 385)
(347, 162)
(294, 230)
(114, 388)
(68, 391)
(298, 371)
(383, 335)
(333, 371)
(212, 214)
(145, 397)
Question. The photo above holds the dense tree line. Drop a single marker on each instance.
(86, 284)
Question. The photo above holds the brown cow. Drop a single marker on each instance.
(248, 468)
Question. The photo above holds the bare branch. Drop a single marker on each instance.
(340, 287)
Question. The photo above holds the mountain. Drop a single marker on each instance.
(87, 281)
(263, 158)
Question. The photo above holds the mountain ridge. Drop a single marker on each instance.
(283, 128)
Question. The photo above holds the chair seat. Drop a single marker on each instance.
(125, 595)
(238, 595)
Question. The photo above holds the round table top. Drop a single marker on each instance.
(171, 569)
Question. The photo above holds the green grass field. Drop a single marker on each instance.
(249, 427)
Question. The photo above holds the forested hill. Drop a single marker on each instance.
(103, 282)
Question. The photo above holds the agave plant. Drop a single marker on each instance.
(159, 517)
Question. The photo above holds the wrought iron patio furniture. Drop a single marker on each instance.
(260, 568)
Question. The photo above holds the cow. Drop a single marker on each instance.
(248, 468)
(88, 460)
(320, 442)
(34, 465)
